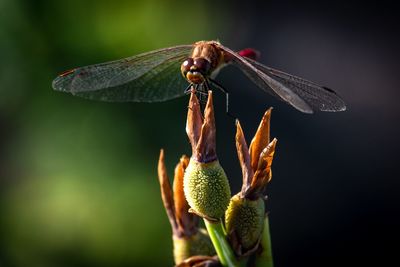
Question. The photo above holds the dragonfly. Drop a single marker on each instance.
(164, 74)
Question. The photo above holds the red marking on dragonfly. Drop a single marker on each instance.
(250, 53)
(67, 72)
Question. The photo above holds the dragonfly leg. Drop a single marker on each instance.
(220, 87)
(199, 91)
(196, 89)
(188, 89)
(202, 93)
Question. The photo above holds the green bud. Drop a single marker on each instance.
(244, 221)
(197, 244)
(207, 188)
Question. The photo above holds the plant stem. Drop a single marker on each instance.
(264, 259)
(221, 245)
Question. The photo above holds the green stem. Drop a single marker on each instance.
(221, 245)
(264, 259)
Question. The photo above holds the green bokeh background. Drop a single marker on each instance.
(79, 184)
(78, 181)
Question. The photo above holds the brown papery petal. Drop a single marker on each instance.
(166, 192)
(187, 222)
(194, 121)
(244, 158)
(264, 173)
(206, 147)
(261, 139)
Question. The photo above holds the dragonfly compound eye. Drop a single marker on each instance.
(185, 67)
(194, 70)
(202, 65)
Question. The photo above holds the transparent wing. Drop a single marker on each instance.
(149, 77)
(317, 96)
(304, 95)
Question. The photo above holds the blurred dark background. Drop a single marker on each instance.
(78, 184)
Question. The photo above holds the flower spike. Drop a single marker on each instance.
(205, 183)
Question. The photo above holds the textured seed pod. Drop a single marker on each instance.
(207, 188)
(244, 221)
(198, 244)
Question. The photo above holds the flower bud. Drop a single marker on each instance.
(244, 218)
(205, 183)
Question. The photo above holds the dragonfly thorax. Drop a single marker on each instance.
(196, 70)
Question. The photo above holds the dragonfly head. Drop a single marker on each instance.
(195, 70)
